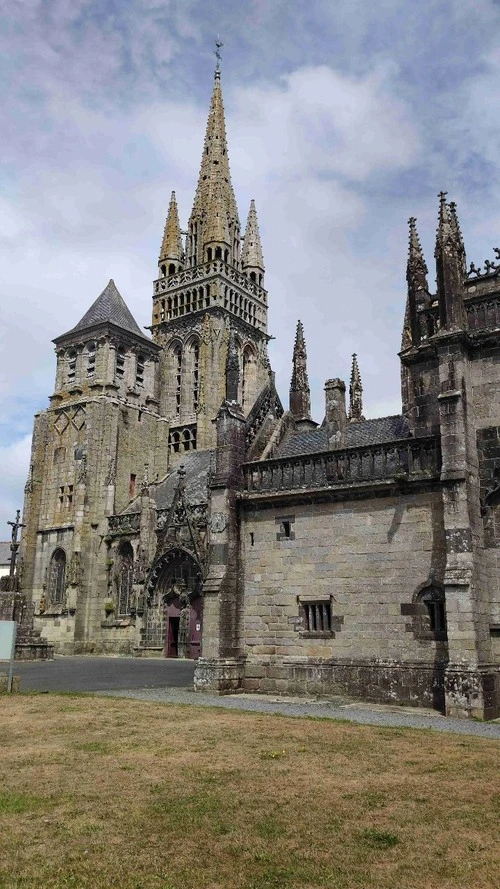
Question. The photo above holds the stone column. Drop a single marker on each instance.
(220, 668)
(335, 412)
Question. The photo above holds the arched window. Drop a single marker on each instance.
(195, 349)
(91, 356)
(248, 377)
(139, 371)
(218, 252)
(125, 578)
(164, 271)
(434, 600)
(72, 356)
(120, 362)
(177, 374)
(57, 577)
(171, 269)
(209, 254)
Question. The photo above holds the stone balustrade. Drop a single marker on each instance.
(128, 523)
(208, 270)
(397, 460)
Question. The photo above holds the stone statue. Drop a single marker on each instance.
(184, 621)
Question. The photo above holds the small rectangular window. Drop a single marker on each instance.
(285, 527)
(317, 617)
(131, 488)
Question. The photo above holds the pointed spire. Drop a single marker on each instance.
(251, 257)
(300, 394)
(171, 247)
(216, 229)
(355, 392)
(450, 267)
(232, 368)
(418, 288)
(214, 179)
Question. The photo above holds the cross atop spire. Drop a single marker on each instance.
(218, 46)
(355, 392)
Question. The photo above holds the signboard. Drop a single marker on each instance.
(8, 646)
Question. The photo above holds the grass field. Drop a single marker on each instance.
(98, 793)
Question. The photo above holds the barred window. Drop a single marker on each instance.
(120, 362)
(139, 371)
(317, 617)
(91, 356)
(72, 356)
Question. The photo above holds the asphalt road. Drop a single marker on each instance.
(103, 673)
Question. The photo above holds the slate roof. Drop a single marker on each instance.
(197, 466)
(4, 552)
(109, 307)
(364, 432)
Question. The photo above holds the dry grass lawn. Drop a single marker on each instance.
(98, 793)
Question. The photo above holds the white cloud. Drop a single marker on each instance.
(14, 460)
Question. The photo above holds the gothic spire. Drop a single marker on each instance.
(300, 394)
(251, 256)
(450, 267)
(355, 392)
(214, 182)
(216, 230)
(418, 288)
(171, 246)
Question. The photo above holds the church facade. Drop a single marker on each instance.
(175, 508)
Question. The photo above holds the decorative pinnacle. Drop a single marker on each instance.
(416, 262)
(252, 248)
(355, 392)
(171, 247)
(300, 395)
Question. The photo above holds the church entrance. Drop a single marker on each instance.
(179, 588)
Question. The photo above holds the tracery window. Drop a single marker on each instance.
(57, 577)
(125, 578)
(177, 362)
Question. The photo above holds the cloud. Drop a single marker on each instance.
(14, 460)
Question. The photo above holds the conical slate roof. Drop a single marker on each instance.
(109, 307)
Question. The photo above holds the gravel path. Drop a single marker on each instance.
(364, 714)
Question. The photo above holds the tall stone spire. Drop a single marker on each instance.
(355, 392)
(418, 288)
(300, 394)
(214, 186)
(450, 267)
(251, 258)
(171, 247)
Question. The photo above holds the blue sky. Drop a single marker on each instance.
(344, 118)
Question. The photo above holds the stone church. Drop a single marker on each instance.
(175, 507)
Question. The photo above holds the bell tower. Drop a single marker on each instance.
(208, 291)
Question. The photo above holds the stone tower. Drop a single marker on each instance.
(202, 293)
(89, 452)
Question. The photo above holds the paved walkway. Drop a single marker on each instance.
(169, 681)
(366, 714)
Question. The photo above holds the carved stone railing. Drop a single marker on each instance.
(396, 460)
(128, 523)
(483, 313)
(210, 270)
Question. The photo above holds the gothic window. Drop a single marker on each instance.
(164, 271)
(218, 252)
(177, 377)
(91, 356)
(120, 362)
(248, 377)
(57, 577)
(209, 254)
(139, 371)
(125, 578)
(171, 269)
(72, 356)
(193, 371)
(174, 440)
(434, 600)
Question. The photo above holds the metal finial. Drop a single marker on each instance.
(218, 45)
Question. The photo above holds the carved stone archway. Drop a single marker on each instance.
(175, 605)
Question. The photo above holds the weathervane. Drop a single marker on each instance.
(217, 49)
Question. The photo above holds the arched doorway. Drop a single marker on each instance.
(179, 593)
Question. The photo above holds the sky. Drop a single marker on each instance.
(344, 118)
